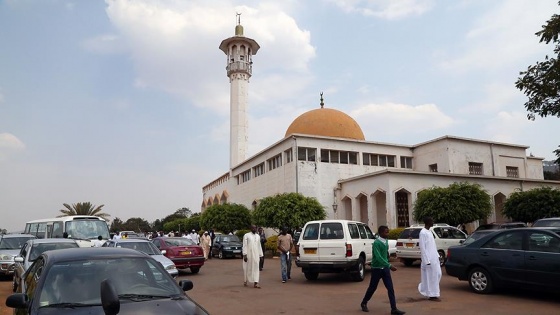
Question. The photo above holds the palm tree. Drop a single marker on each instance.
(83, 208)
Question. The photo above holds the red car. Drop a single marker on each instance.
(183, 252)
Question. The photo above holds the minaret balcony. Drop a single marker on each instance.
(239, 66)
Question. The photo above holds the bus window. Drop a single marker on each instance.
(57, 229)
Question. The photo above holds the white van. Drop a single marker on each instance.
(328, 246)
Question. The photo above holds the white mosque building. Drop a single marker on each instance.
(325, 155)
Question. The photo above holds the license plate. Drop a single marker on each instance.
(185, 253)
(409, 245)
(310, 250)
(237, 251)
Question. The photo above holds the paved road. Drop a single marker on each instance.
(219, 288)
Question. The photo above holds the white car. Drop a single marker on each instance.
(148, 248)
(31, 250)
(408, 248)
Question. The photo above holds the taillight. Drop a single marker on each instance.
(348, 250)
(399, 243)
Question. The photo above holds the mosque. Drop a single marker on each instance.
(325, 155)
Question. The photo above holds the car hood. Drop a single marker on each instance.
(165, 306)
(11, 252)
(231, 243)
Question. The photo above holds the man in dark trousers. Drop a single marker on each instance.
(212, 237)
(381, 269)
(263, 241)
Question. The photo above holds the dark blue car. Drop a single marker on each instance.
(522, 257)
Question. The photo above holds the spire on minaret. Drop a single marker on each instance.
(322, 103)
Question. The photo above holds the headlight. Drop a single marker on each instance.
(170, 267)
(227, 247)
(7, 257)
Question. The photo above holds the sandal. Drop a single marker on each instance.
(257, 286)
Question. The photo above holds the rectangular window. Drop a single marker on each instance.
(289, 157)
(379, 160)
(512, 171)
(259, 169)
(342, 157)
(433, 168)
(387, 160)
(353, 158)
(245, 176)
(275, 162)
(324, 156)
(475, 168)
(334, 156)
(406, 162)
(307, 154)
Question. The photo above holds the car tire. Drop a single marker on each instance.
(442, 258)
(480, 281)
(360, 273)
(408, 262)
(221, 254)
(195, 269)
(311, 275)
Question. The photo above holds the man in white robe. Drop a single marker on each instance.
(430, 268)
(252, 252)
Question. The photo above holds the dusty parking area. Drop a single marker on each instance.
(219, 288)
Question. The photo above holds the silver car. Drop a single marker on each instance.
(148, 248)
(10, 245)
(30, 251)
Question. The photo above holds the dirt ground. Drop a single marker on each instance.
(219, 288)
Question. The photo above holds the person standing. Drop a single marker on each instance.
(205, 243)
(212, 237)
(381, 269)
(252, 252)
(284, 246)
(263, 242)
(194, 237)
(430, 268)
(98, 242)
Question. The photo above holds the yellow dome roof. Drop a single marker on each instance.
(326, 122)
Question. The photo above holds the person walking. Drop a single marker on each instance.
(252, 252)
(205, 241)
(212, 237)
(284, 246)
(430, 268)
(195, 238)
(381, 269)
(263, 242)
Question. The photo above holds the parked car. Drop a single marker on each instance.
(497, 226)
(31, 250)
(147, 248)
(555, 222)
(408, 248)
(328, 246)
(226, 246)
(101, 281)
(10, 246)
(524, 258)
(182, 251)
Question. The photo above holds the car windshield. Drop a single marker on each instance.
(410, 233)
(179, 241)
(38, 249)
(541, 223)
(13, 242)
(78, 282)
(144, 247)
(230, 238)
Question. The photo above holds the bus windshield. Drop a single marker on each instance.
(87, 229)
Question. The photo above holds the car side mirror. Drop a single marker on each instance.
(17, 300)
(18, 259)
(461, 241)
(186, 285)
(163, 252)
(109, 298)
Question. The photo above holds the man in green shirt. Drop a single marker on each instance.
(381, 269)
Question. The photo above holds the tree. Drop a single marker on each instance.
(3, 231)
(83, 208)
(184, 225)
(534, 204)
(290, 210)
(457, 204)
(541, 82)
(182, 213)
(117, 225)
(136, 224)
(227, 217)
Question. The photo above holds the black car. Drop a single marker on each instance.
(522, 257)
(101, 281)
(226, 246)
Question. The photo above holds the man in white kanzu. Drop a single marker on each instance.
(252, 252)
(430, 268)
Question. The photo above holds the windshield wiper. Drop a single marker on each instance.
(142, 297)
(69, 305)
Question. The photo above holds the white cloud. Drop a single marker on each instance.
(9, 144)
(174, 47)
(399, 119)
(503, 36)
(386, 9)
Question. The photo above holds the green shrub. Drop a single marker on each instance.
(241, 233)
(394, 233)
(271, 243)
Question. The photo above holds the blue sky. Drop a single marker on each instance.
(125, 103)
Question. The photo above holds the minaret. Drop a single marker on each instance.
(239, 50)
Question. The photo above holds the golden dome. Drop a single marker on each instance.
(326, 122)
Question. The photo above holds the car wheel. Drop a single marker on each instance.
(195, 269)
(311, 275)
(408, 262)
(480, 281)
(361, 271)
(441, 258)
(221, 254)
